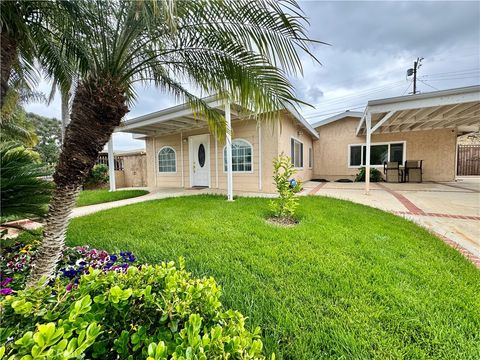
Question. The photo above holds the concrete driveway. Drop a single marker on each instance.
(451, 210)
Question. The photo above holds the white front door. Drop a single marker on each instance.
(199, 160)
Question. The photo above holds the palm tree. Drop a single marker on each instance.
(240, 49)
(27, 25)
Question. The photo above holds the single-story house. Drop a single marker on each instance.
(181, 151)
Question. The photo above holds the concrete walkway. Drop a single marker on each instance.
(154, 195)
(451, 210)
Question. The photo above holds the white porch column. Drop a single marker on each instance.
(111, 165)
(368, 125)
(229, 152)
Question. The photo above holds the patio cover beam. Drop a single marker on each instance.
(368, 124)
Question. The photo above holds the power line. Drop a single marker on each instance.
(336, 112)
(359, 94)
(433, 87)
(454, 72)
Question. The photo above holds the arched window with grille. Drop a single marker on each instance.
(167, 160)
(242, 156)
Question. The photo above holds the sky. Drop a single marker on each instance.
(372, 44)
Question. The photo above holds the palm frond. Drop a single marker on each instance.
(23, 193)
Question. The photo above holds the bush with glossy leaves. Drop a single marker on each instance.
(154, 312)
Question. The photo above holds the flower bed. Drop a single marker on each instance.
(16, 259)
(101, 305)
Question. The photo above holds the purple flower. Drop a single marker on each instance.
(5, 282)
(69, 287)
(131, 258)
(6, 291)
(113, 257)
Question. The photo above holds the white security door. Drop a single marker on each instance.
(199, 160)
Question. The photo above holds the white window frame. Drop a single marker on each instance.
(303, 155)
(224, 159)
(158, 161)
(373, 144)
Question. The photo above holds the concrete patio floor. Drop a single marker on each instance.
(451, 210)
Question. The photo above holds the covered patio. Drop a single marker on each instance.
(456, 109)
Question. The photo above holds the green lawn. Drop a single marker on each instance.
(91, 197)
(348, 282)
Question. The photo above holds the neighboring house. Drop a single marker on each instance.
(181, 151)
(130, 167)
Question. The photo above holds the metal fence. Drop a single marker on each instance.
(468, 160)
(118, 161)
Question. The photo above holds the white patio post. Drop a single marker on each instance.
(111, 165)
(229, 152)
(368, 125)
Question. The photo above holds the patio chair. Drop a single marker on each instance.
(392, 171)
(413, 170)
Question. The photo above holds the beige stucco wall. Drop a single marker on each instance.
(243, 129)
(271, 137)
(290, 128)
(435, 147)
(330, 152)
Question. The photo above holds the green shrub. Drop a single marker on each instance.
(98, 176)
(23, 192)
(286, 204)
(154, 312)
(375, 175)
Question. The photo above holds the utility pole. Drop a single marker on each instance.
(416, 65)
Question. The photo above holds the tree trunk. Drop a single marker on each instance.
(8, 56)
(65, 111)
(98, 107)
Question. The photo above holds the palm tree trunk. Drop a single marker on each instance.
(8, 56)
(65, 111)
(98, 107)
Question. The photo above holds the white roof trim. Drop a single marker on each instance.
(434, 98)
(184, 110)
(431, 99)
(354, 114)
(302, 121)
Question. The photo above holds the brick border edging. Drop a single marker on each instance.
(316, 188)
(467, 254)
(415, 210)
(450, 216)
(411, 207)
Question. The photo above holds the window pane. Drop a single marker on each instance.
(378, 154)
(167, 160)
(297, 156)
(355, 155)
(396, 153)
(241, 156)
